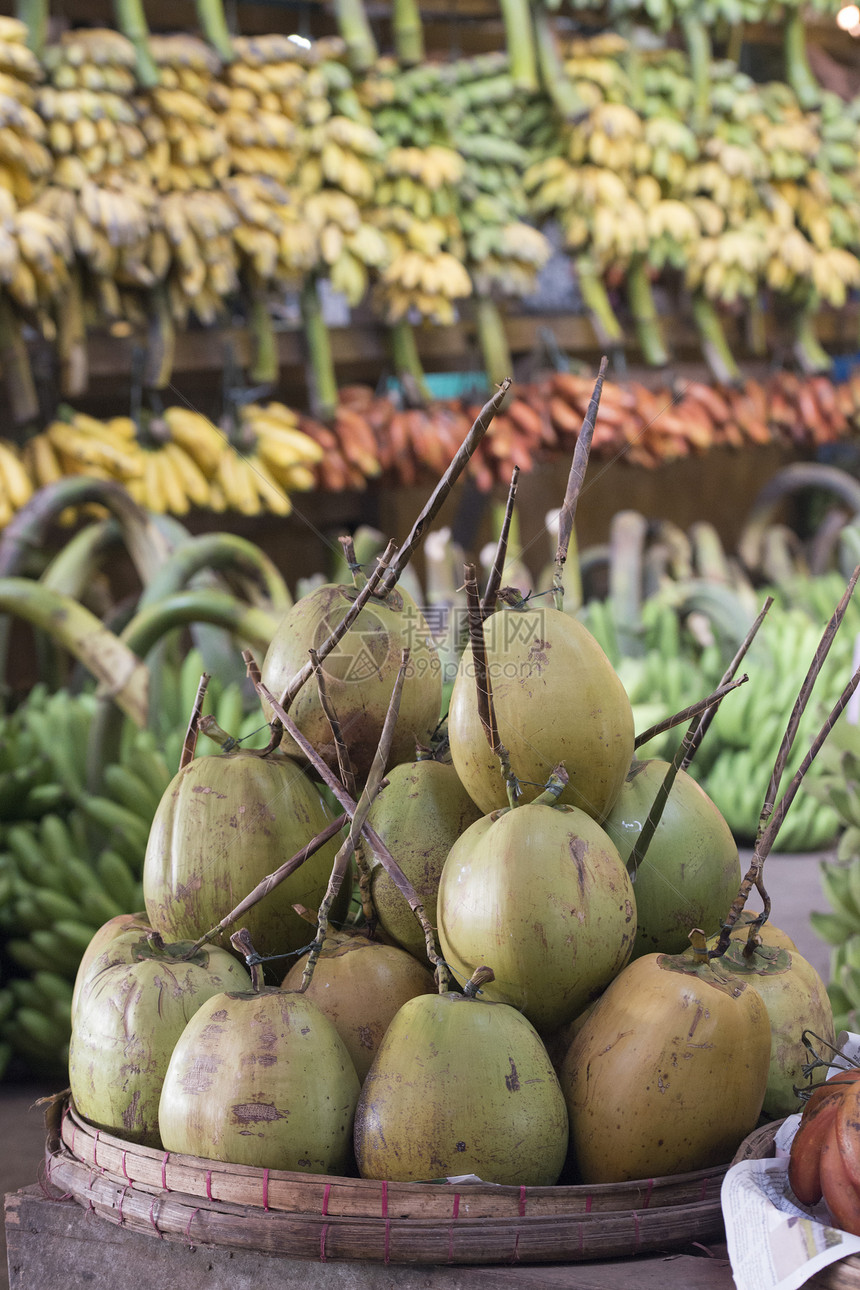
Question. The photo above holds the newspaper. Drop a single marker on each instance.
(773, 1242)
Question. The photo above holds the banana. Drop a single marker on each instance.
(118, 880)
(120, 824)
(131, 791)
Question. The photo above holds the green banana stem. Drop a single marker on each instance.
(407, 32)
(106, 656)
(798, 73)
(28, 529)
(72, 338)
(323, 379)
(15, 361)
(808, 351)
(406, 359)
(146, 630)
(131, 21)
(715, 347)
(213, 24)
(627, 543)
(698, 41)
(596, 300)
(756, 327)
(356, 31)
(493, 340)
(76, 564)
(554, 79)
(520, 42)
(265, 363)
(34, 13)
(646, 320)
(226, 552)
(160, 341)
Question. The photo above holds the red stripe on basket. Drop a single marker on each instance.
(323, 1235)
(385, 1200)
(208, 1184)
(188, 1226)
(456, 1209)
(648, 1192)
(522, 1202)
(164, 1161)
(124, 1170)
(326, 1194)
(635, 1230)
(265, 1189)
(153, 1221)
(588, 1204)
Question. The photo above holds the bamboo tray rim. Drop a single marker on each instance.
(272, 1190)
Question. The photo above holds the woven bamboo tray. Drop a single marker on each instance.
(313, 1216)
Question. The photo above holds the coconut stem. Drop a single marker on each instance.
(190, 742)
(347, 775)
(494, 581)
(242, 944)
(380, 850)
(440, 493)
(767, 833)
(209, 727)
(348, 846)
(555, 786)
(481, 976)
(348, 547)
(574, 485)
(486, 710)
(272, 880)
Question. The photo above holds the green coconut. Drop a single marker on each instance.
(557, 699)
(419, 815)
(540, 892)
(668, 1072)
(360, 985)
(223, 824)
(128, 929)
(690, 873)
(359, 672)
(131, 1010)
(261, 1079)
(461, 1085)
(796, 999)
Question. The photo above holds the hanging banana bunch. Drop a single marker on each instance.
(504, 254)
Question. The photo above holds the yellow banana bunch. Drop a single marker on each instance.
(272, 231)
(25, 161)
(286, 454)
(16, 484)
(729, 267)
(199, 437)
(170, 480)
(107, 449)
(193, 246)
(188, 141)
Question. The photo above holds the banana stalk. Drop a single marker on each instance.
(520, 42)
(264, 366)
(643, 310)
(356, 31)
(798, 73)
(15, 361)
(160, 341)
(596, 300)
(225, 552)
(145, 632)
(808, 351)
(407, 32)
(72, 338)
(493, 340)
(76, 564)
(106, 656)
(34, 13)
(715, 347)
(213, 24)
(322, 377)
(131, 21)
(698, 42)
(407, 361)
(554, 79)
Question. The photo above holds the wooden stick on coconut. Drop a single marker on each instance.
(574, 485)
(494, 581)
(344, 765)
(190, 741)
(486, 711)
(348, 846)
(771, 818)
(378, 847)
(701, 706)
